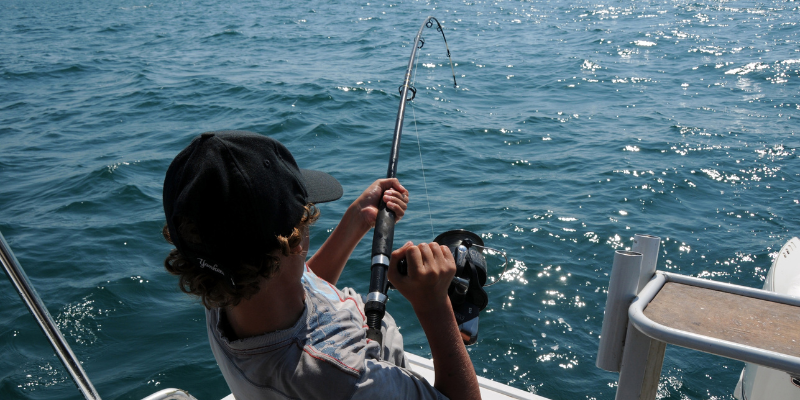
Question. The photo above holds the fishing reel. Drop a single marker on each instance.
(466, 290)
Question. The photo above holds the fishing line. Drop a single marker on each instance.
(505, 265)
(422, 164)
(419, 147)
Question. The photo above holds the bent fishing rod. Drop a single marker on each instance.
(375, 307)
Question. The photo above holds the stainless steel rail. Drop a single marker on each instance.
(707, 344)
(25, 290)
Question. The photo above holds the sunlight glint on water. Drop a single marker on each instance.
(575, 125)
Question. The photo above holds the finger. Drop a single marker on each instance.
(436, 249)
(396, 205)
(398, 212)
(448, 255)
(438, 254)
(395, 196)
(398, 194)
(416, 266)
(448, 261)
(397, 255)
(392, 183)
(427, 256)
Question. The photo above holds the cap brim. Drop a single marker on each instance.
(321, 187)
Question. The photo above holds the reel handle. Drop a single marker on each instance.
(459, 285)
(460, 258)
(457, 292)
(402, 266)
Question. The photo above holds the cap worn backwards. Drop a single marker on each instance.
(239, 190)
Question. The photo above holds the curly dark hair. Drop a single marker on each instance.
(210, 286)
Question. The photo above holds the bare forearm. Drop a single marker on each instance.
(455, 375)
(431, 268)
(329, 261)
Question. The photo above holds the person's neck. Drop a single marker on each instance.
(278, 304)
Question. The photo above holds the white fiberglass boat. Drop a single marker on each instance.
(490, 390)
(762, 383)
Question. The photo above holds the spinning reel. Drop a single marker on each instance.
(466, 290)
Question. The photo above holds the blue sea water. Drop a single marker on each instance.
(576, 124)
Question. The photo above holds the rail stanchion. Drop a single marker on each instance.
(622, 287)
(642, 356)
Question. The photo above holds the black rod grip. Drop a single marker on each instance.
(378, 278)
(384, 232)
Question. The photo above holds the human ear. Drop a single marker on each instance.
(296, 249)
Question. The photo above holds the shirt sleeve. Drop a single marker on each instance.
(386, 381)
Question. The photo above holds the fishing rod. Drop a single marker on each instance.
(375, 307)
(25, 290)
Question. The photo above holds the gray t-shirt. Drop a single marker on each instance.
(325, 355)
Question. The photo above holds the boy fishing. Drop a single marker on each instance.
(238, 211)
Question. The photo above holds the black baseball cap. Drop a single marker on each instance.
(240, 190)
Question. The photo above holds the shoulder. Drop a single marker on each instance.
(319, 289)
(336, 325)
(282, 365)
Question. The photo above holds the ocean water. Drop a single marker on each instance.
(576, 124)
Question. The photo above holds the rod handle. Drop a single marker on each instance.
(383, 236)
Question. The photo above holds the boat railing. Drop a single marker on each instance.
(28, 294)
(36, 306)
(647, 309)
